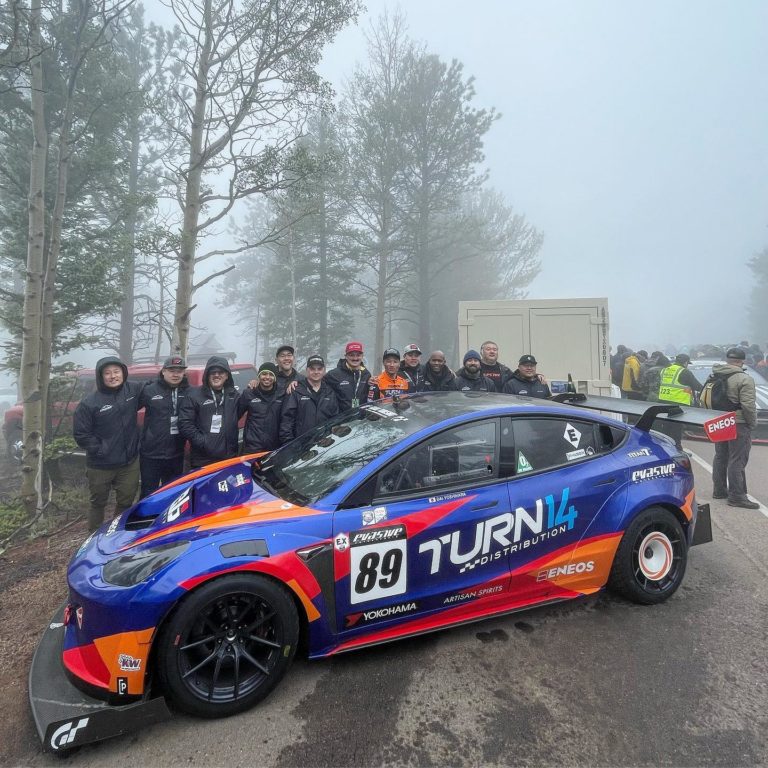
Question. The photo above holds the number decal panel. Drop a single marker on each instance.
(378, 564)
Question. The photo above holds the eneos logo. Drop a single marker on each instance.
(721, 428)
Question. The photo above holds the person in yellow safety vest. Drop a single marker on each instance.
(677, 384)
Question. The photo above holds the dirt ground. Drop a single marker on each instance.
(32, 586)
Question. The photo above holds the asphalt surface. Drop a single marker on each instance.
(597, 681)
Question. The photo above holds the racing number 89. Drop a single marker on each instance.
(369, 570)
(378, 570)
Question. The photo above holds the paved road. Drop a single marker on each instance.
(593, 682)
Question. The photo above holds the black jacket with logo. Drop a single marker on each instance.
(468, 383)
(262, 425)
(348, 385)
(414, 377)
(305, 409)
(196, 414)
(284, 380)
(104, 422)
(157, 399)
(517, 385)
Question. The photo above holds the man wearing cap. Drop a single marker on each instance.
(349, 379)
(438, 377)
(389, 382)
(311, 403)
(410, 368)
(104, 425)
(162, 446)
(731, 456)
(525, 380)
(262, 404)
(286, 373)
(491, 367)
(208, 415)
(470, 378)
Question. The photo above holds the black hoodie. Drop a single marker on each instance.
(445, 382)
(262, 425)
(104, 422)
(161, 437)
(467, 382)
(196, 418)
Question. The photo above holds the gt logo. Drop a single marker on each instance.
(178, 507)
(66, 733)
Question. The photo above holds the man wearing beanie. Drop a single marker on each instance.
(162, 446)
(208, 415)
(469, 378)
(389, 382)
(525, 381)
(104, 425)
(262, 404)
(349, 379)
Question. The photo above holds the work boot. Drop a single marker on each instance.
(719, 494)
(743, 502)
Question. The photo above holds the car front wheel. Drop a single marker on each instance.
(650, 562)
(227, 645)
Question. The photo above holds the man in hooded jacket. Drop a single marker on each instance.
(162, 445)
(104, 425)
(438, 377)
(470, 378)
(208, 416)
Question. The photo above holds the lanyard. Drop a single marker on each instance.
(216, 401)
(175, 400)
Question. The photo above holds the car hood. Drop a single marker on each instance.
(221, 500)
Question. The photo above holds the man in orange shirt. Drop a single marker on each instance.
(389, 382)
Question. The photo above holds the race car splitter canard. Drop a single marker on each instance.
(415, 514)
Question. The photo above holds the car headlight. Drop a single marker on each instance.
(129, 570)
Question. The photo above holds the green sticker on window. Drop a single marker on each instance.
(523, 465)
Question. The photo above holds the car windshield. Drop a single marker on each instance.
(314, 464)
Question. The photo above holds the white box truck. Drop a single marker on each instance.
(567, 336)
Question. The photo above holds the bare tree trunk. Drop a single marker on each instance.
(32, 320)
(381, 299)
(292, 263)
(185, 283)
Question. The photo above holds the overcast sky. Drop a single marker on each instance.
(635, 135)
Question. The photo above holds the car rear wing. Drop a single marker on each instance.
(717, 425)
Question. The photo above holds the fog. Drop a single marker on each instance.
(635, 136)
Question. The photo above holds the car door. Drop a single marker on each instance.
(425, 543)
(567, 490)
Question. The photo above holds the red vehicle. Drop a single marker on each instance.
(84, 381)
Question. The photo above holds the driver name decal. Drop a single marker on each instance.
(501, 535)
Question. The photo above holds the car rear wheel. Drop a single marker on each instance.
(228, 645)
(650, 562)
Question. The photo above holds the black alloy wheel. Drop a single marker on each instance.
(228, 645)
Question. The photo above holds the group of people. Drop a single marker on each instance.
(654, 377)
(279, 405)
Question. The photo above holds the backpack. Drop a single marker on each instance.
(714, 395)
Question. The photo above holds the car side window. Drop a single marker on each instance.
(462, 454)
(539, 443)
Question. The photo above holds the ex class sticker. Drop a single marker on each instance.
(378, 563)
(572, 435)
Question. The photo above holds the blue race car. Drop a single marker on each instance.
(391, 520)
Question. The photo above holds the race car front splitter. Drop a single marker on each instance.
(65, 716)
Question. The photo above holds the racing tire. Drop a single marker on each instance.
(650, 562)
(227, 645)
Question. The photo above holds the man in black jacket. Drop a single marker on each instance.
(469, 378)
(311, 403)
(525, 380)
(104, 425)
(262, 404)
(286, 373)
(208, 415)
(438, 377)
(410, 368)
(349, 379)
(162, 445)
(491, 367)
